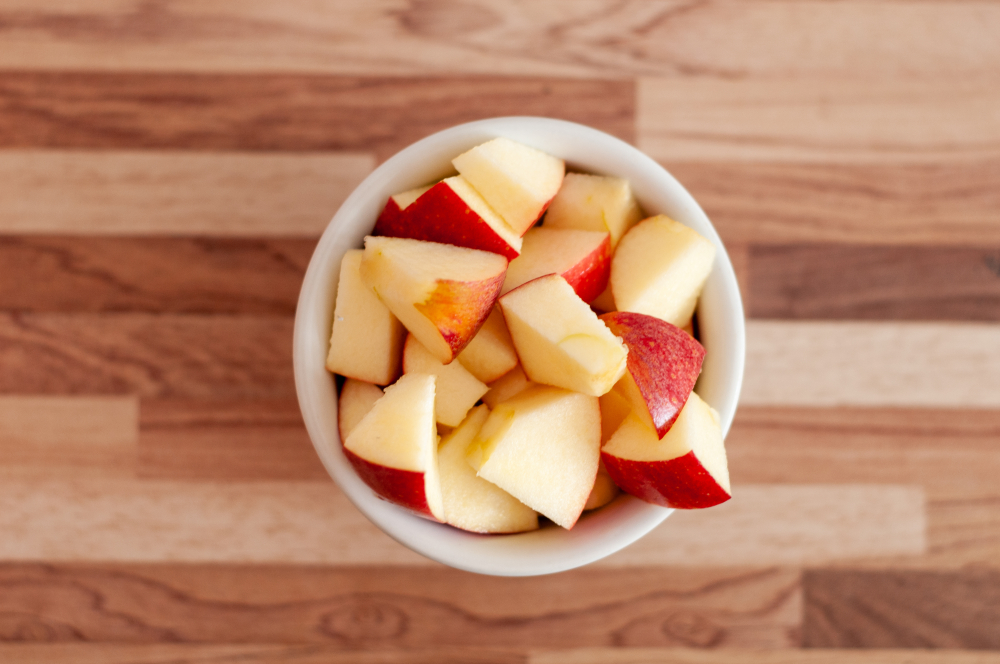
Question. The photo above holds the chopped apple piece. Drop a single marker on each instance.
(516, 180)
(451, 212)
(594, 203)
(664, 363)
(615, 407)
(442, 294)
(390, 216)
(559, 338)
(605, 302)
(457, 389)
(470, 502)
(685, 469)
(659, 269)
(511, 383)
(583, 258)
(605, 490)
(491, 353)
(356, 400)
(542, 447)
(367, 339)
(394, 448)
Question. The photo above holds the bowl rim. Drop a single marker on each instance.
(597, 534)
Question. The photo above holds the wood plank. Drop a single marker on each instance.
(819, 120)
(935, 365)
(789, 525)
(185, 439)
(163, 192)
(153, 355)
(44, 436)
(290, 112)
(562, 38)
(831, 282)
(391, 607)
(944, 203)
(912, 609)
(72, 273)
(963, 532)
(742, 656)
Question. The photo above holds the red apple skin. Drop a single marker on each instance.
(663, 360)
(590, 276)
(682, 483)
(402, 487)
(440, 215)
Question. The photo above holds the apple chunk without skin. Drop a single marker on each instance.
(560, 340)
(664, 362)
(357, 398)
(516, 180)
(659, 269)
(470, 502)
(442, 294)
(394, 448)
(685, 469)
(450, 212)
(457, 390)
(582, 258)
(511, 383)
(594, 203)
(366, 341)
(491, 353)
(542, 447)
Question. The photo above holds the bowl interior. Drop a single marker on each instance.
(551, 549)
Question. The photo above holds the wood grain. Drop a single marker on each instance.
(741, 656)
(153, 355)
(935, 365)
(562, 38)
(224, 441)
(940, 204)
(43, 436)
(390, 607)
(288, 112)
(860, 609)
(73, 273)
(162, 192)
(963, 532)
(837, 282)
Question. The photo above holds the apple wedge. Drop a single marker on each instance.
(511, 383)
(470, 502)
(491, 353)
(516, 180)
(560, 340)
(659, 269)
(457, 390)
(450, 212)
(605, 490)
(442, 294)
(366, 341)
(594, 203)
(391, 213)
(394, 448)
(686, 469)
(356, 400)
(542, 447)
(582, 258)
(664, 363)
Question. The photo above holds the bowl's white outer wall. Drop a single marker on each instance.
(598, 534)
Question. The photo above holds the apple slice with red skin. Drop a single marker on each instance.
(394, 207)
(451, 212)
(686, 469)
(664, 363)
(582, 258)
(394, 447)
(357, 398)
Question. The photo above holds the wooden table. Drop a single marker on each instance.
(167, 166)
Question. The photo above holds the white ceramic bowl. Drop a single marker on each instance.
(551, 549)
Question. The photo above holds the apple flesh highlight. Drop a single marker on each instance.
(394, 448)
(515, 180)
(491, 352)
(357, 398)
(457, 390)
(441, 293)
(594, 203)
(560, 340)
(470, 502)
(366, 340)
(582, 258)
(686, 469)
(542, 446)
(664, 363)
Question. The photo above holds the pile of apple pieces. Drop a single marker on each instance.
(460, 291)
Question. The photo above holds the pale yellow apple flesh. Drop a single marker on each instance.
(542, 446)
(470, 502)
(356, 400)
(366, 342)
(457, 389)
(511, 383)
(605, 490)
(583, 258)
(594, 203)
(491, 353)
